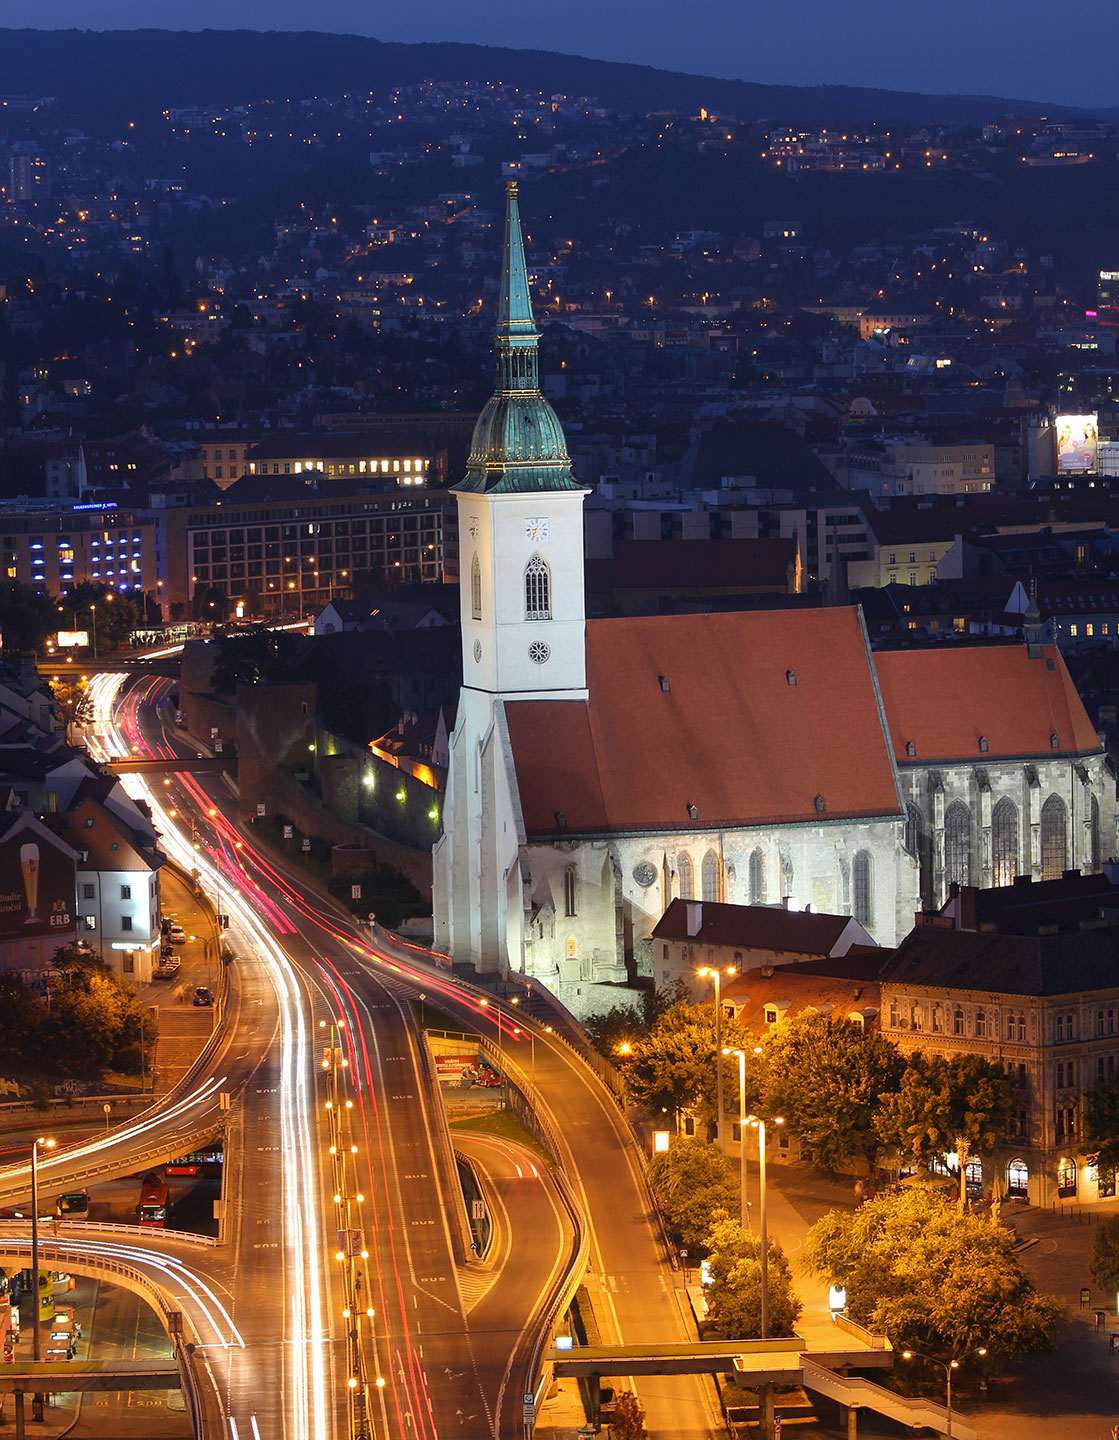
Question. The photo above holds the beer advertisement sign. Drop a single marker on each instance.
(36, 884)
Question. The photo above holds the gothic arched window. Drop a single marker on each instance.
(1004, 842)
(913, 831)
(684, 875)
(756, 877)
(476, 589)
(709, 876)
(1094, 831)
(860, 887)
(1054, 838)
(538, 590)
(957, 844)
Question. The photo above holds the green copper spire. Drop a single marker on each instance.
(518, 444)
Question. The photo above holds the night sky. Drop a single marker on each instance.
(1020, 49)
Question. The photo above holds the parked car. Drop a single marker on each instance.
(175, 935)
(202, 995)
(168, 967)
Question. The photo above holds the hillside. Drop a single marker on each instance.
(122, 73)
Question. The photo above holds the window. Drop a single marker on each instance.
(1060, 1027)
(1099, 1022)
(1054, 838)
(709, 877)
(569, 890)
(957, 844)
(126, 892)
(1017, 1176)
(538, 599)
(475, 589)
(958, 1021)
(90, 922)
(937, 1019)
(861, 887)
(1021, 1027)
(771, 1017)
(912, 828)
(125, 924)
(1004, 842)
(684, 875)
(1010, 1027)
(981, 1024)
(88, 891)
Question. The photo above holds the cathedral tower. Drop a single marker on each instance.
(520, 519)
(523, 627)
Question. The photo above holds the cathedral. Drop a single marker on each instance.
(599, 769)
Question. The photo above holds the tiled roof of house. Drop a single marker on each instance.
(942, 701)
(1064, 964)
(757, 927)
(745, 718)
(110, 843)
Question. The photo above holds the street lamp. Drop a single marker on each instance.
(947, 1366)
(711, 973)
(762, 1230)
(742, 1132)
(36, 1339)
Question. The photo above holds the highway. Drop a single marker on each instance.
(449, 1345)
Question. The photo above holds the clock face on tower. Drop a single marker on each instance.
(536, 530)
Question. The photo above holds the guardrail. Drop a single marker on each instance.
(860, 1332)
(126, 1164)
(141, 1283)
(95, 1228)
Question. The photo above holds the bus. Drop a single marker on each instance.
(151, 1212)
(73, 1205)
(198, 1162)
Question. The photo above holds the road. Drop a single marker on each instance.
(451, 1341)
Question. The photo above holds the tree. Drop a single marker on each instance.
(95, 1020)
(929, 1276)
(734, 1296)
(610, 1029)
(673, 1066)
(827, 1077)
(1103, 1259)
(1101, 1125)
(964, 1104)
(629, 1417)
(692, 1180)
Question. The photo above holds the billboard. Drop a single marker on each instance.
(1077, 444)
(37, 886)
(72, 640)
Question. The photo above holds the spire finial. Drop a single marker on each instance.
(516, 334)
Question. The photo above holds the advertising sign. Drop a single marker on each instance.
(36, 886)
(72, 640)
(1077, 444)
(450, 1067)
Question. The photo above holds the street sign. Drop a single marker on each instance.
(355, 892)
(260, 810)
(305, 844)
(478, 1210)
(289, 831)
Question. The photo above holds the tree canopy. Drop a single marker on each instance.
(929, 1276)
(94, 1020)
(1103, 1259)
(734, 1296)
(1101, 1125)
(673, 1066)
(962, 1104)
(692, 1180)
(826, 1077)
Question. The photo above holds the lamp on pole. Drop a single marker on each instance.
(712, 973)
(742, 1132)
(36, 1339)
(763, 1231)
(947, 1366)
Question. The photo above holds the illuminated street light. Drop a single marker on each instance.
(947, 1366)
(711, 973)
(742, 1133)
(762, 1231)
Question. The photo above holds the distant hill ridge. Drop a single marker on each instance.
(120, 72)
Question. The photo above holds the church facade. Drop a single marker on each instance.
(599, 770)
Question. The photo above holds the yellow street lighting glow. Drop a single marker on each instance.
(352, 1382)
(380, 1382)
(334, 1150)
(353, 1149)
(340, 1255)
(330, 1104)
(370, 1312)
(365, 1254)
(346, 1313)
(337, 1199)
(360, 1198)
(349, 1104)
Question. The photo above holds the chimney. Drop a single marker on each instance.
(695, 916)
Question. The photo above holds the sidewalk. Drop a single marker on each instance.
(184, 1027)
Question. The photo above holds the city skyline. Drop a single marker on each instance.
(1005, 54)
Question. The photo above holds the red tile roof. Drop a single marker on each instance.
(731, 735)
(942, 701)
(754, 927)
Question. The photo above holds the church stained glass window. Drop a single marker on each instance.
(957, 844)
(1054, 838)
(756, 877)
(861, 888)
(538, 590)
(709, 876)
(1004, 842)
(684, 875)
(1094, 831)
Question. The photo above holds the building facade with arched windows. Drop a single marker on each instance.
(600, 770)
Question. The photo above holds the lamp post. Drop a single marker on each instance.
(947, 1366)
(763, 1231)
(742, 1132)
(712, 973)
(36, 1339)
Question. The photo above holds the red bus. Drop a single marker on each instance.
(151, 1212)
(198, 1162)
